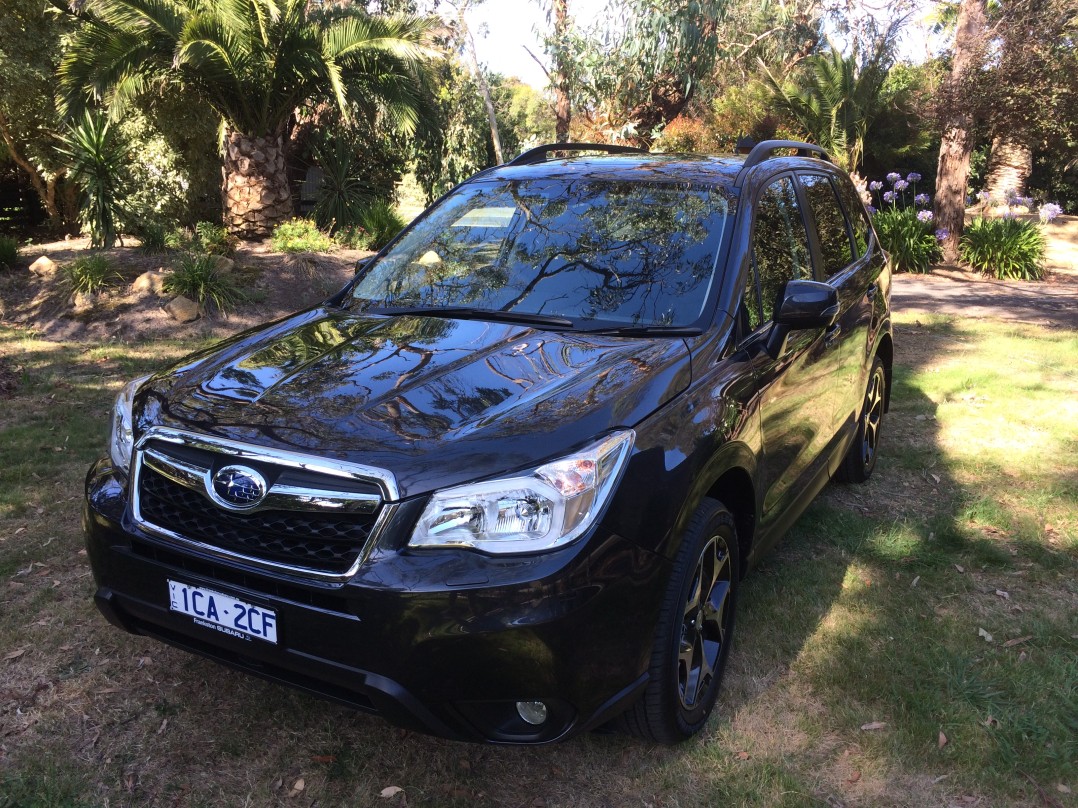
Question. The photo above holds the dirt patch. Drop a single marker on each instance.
(276, 284)
(9, 379)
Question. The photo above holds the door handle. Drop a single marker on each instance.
(872, 291)
(831, 334)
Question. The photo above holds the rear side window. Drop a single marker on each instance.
(780, 250)
(858, 216)
(831, 230)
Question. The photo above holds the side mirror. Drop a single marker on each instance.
(804, 305)
(361, 264)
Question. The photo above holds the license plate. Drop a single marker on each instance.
(223, 613)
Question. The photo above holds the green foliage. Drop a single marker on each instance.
(835, 97)
(90, 274)
(353, 238)
(153, 237)
(197, 277)
(214, 239)
(253, 62)
(342, 194)
(911, 243)
(300, 235)
(525, 118)
(1004, 248)
(381, 223)
(9, 252)
(97, 158)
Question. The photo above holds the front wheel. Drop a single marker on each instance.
(696, 625)
(860, 460)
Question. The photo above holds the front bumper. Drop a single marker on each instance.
(442, 642)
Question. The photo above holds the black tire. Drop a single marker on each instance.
(695, 630)
(860, 460)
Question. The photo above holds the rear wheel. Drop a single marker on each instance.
(696, 625)
(860, 460)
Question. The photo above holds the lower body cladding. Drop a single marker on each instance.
(524, 661)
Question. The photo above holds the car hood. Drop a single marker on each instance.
(434, 401)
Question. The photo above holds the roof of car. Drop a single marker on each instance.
(636, 167)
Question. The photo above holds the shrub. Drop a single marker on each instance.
(353, 238)
(908, 239)
(90, 274)
(1005, 248)
(197, 277)
(342, 194)
(153, 237)
(9, 252)
(300, 235)
(382, 224)
(98, 160)
(214, 239)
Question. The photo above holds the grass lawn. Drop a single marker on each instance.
(912, 642)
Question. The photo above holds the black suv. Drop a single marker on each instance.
(504, 486)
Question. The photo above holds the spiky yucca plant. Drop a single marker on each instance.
(97, 160)
(254, 62)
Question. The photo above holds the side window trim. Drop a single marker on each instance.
(817, 252)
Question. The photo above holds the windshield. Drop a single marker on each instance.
(623, 253)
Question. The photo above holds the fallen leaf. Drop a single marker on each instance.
(743, 755)
(1004, 595)
(19, 530)
(853, 778)
(991, 721)
(915, 581)
(942, 740)
(982, 633)
(297, 787)
(390, 791)
(936, 478)
(1062, 789)
(324, 759)
(15, 655)
(959, 567)
(874, 725)
(163, 727)
(1017, 641)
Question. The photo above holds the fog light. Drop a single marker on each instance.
(534, 712)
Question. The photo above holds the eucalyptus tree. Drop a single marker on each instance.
(253, 62)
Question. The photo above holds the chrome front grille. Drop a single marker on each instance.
(318, 517)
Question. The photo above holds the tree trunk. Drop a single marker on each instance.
(563, 111)
(255, 193)
(484, 90)
(47, 199)
(1009, 167)
(957, 144)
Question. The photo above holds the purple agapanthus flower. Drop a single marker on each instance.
(872, 211)
(924, 216)
(984, 196)
(1049, 211)
(1009, 214)
(943, 234)
(913, 176)
(894, 177)
(901, 185)
(921, 200)
(889, 196)
(875, 185)
(1011, 195)
(1024, 202)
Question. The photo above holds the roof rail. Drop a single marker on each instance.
(539, 153)
(761, 151)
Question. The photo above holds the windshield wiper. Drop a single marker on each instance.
(645, 331)
(469, 313)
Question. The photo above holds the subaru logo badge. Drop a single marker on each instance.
(237, 487)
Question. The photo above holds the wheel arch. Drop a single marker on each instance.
(736, 491)
(885, 350)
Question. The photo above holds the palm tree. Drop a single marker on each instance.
(836, 98)
(253, 62)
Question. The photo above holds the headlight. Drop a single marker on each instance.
(536, 511)
(122, 433)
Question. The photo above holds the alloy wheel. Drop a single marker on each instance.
(705, 623)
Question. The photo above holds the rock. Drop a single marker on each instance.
(44, 267)
(182, 310)
(83, 303)
(152, 282)
(223, 264)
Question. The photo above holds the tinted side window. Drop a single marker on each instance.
(780, 248)
(830, 223)
(855, 211)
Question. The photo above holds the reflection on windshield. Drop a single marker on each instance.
(618, 252)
